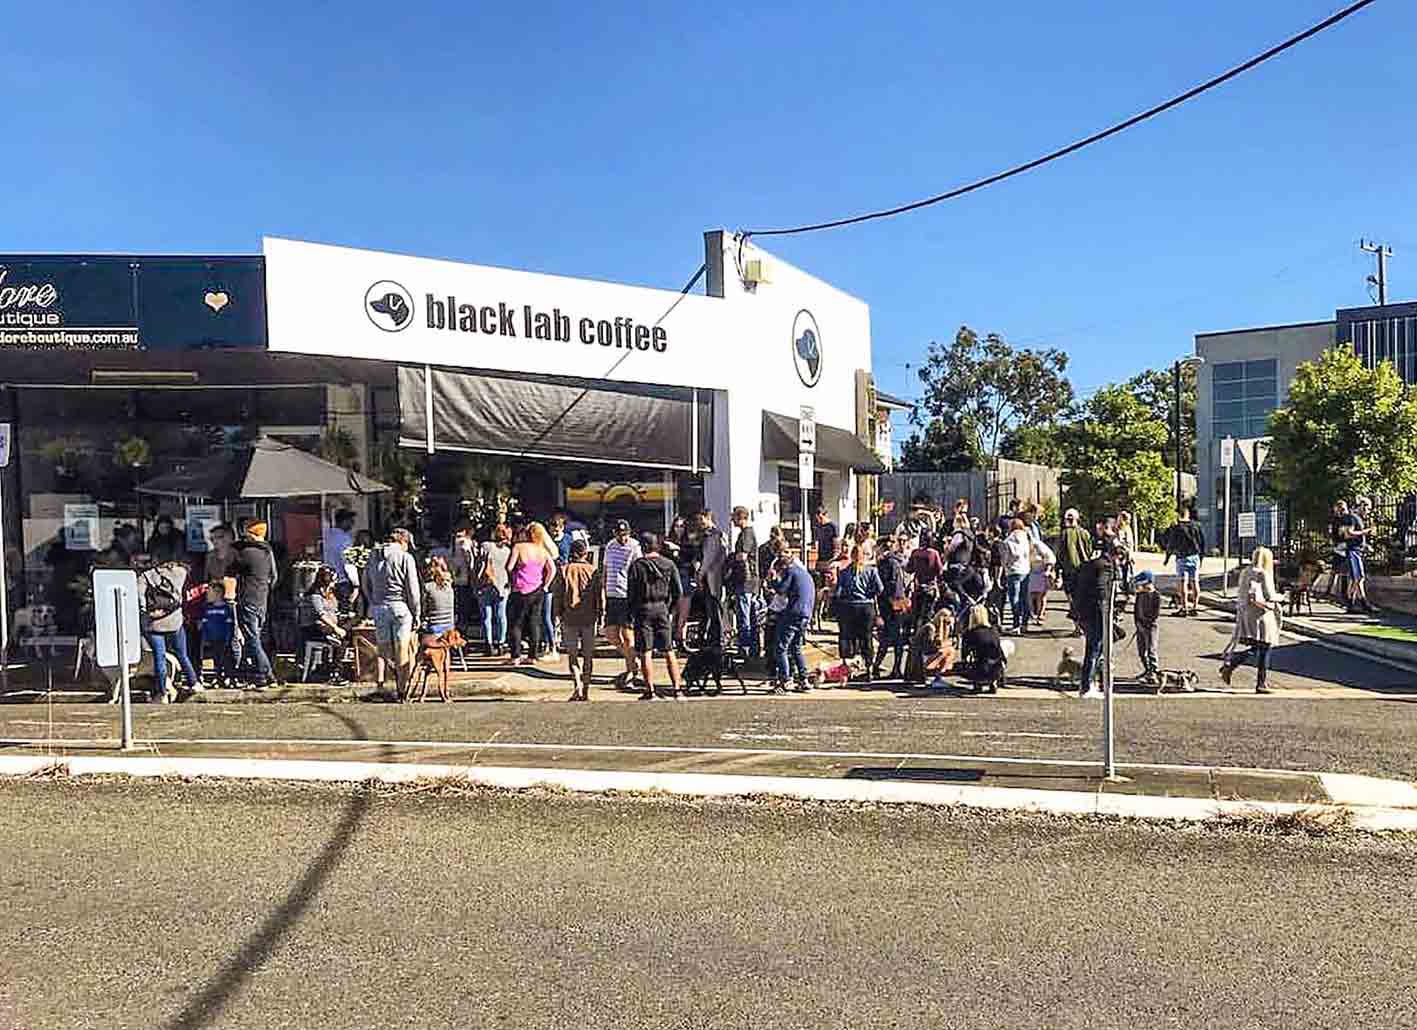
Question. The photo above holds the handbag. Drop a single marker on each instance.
(1257, 598)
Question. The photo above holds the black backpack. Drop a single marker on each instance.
(159, 598)
(656, 589)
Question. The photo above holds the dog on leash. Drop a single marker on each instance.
(1177, 681)
(710, 663)
(1069, 668)
(433, 660)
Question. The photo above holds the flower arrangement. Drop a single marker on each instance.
(356, 556)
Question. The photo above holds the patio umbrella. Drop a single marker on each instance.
(266, 468)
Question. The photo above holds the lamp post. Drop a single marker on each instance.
(1194, 361)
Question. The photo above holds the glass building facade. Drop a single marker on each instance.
(1243, 393)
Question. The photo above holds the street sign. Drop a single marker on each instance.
(1227, 452)
(806, 469)
(5, 437)
(115, 605)
(807, 429)
(1246, 525)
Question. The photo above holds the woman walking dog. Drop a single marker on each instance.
(1257, 620)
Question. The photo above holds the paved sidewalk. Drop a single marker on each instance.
(1387, 635)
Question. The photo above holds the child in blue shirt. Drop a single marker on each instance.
(218, 628)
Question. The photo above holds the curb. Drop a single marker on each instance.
(713, 785)
(1398, 656)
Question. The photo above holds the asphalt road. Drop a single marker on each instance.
(238, 906)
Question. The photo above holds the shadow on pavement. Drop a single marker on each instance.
(1314, 662)
(206, 1008)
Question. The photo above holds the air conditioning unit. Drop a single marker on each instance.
(755, 271)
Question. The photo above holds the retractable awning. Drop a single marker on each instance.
(557, 418)
(836, 448)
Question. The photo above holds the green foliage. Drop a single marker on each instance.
(940, 446)
(1037, 444)
(1050, 517)
(987, 387)
(132, 452)
(1156, 389)
(402, 470)
(1113, 459)
(486, 493)
(1345, 430)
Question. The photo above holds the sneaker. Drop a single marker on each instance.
(647, 695)
(1260, 688)
(1091, 695)
(937, 683)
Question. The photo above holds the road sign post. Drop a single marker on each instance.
(6, 445)
(806, 471)
(1227, 462)
(117, 640)
(1109, 749)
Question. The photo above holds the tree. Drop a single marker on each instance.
(1113, 459)
(940, 446)
(1037, 444)
(990, 387)
(1345, 430)
(1156, 388)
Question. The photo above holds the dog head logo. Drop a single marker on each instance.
(389, 306)
(807, 348)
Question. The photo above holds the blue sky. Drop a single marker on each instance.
(600, 140)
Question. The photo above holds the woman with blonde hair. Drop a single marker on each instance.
(1257, 619)
(982, 655)
(438, 597)
(530, 570)
(539, 536)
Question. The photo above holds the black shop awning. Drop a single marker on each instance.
(558, 418)
(836, 448)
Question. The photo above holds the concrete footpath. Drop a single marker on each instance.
(1152, 792)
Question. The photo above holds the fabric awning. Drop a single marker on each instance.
(836, 448)
(558, 418)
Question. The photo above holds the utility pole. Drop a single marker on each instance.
(1383, 252)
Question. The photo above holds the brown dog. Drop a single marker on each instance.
(433, 660)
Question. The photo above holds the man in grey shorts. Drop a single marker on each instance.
(395, 596)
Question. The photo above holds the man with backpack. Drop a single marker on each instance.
(652, 592)
(161, 589)
(1187, 542)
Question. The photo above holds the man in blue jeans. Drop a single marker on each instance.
(798, 598)
(255, 576)
(743, 581)
(1095, 582)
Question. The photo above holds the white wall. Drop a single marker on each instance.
(741, 345)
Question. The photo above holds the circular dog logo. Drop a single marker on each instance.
(389, 306)
(807, 348)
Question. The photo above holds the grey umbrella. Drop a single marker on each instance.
(265, 468)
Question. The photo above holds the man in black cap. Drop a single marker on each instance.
(653, 584)
(620, 553)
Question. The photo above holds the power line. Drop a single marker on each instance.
(1071, 148)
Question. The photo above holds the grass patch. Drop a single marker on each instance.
(1398, 633)
(1313, 821)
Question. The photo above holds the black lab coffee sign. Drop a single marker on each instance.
(105, 302)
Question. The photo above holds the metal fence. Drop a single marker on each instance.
(1391, 551)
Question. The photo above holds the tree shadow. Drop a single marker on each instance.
(916, 775)
(207, 1007)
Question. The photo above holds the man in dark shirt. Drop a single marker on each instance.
(743, 581)
(1186, 541)
(255, 576)
(825, 534)
(1095, 582)
(653, 592)
(1355, 528)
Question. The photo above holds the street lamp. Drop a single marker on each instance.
(1193, 361)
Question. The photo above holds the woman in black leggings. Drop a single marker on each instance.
(1257, 609)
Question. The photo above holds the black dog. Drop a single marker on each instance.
(711, 663)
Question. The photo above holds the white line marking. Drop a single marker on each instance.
(1032, 736)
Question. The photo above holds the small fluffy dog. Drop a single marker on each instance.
(1177, 681)
(1069, 668)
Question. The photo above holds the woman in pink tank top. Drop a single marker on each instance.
(529, 570)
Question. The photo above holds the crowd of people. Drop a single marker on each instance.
(938, 595)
